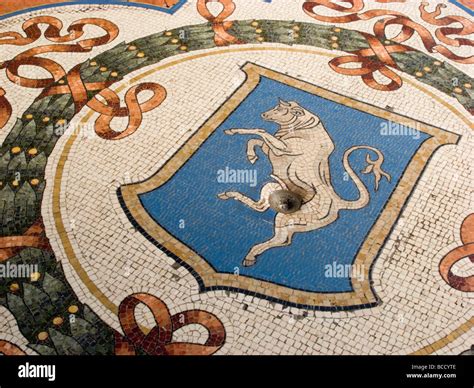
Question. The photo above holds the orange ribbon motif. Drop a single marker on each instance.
(133, 109)
(159, 341)
(53, 34)
(467, 26)
(73, 83)
(76, 87)
(370, 65)
(34, 237)
(219, 25)
(378, 57)
(5, 108)
(467, 250)
(9, 349)
(355, 7)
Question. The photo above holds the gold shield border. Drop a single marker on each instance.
(363, 295)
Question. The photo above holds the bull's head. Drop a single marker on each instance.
(286, 113)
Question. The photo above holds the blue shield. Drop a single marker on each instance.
(319, 269)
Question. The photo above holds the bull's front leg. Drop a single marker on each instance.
(251, 145)
(244, 131)
(277, 146)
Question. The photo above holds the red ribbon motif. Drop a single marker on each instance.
(56, 71)
(465, 251)
(222, 37)
(159, 341)
(133, 110)
(8, 348)
(378, 57)
(5, 108)
(34, 237)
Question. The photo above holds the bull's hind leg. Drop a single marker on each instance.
(261, 205)
(283, 237)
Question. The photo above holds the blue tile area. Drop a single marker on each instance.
(170, 10)
(222, 232)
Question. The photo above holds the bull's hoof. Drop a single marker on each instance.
(252, 158)
(226, 195)
(249, 262)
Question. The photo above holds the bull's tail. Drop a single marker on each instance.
(373, 166)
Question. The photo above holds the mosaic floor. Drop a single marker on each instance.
(182, 177)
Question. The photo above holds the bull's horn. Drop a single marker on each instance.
(284, 103)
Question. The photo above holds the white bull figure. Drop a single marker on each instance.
(299, 153)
